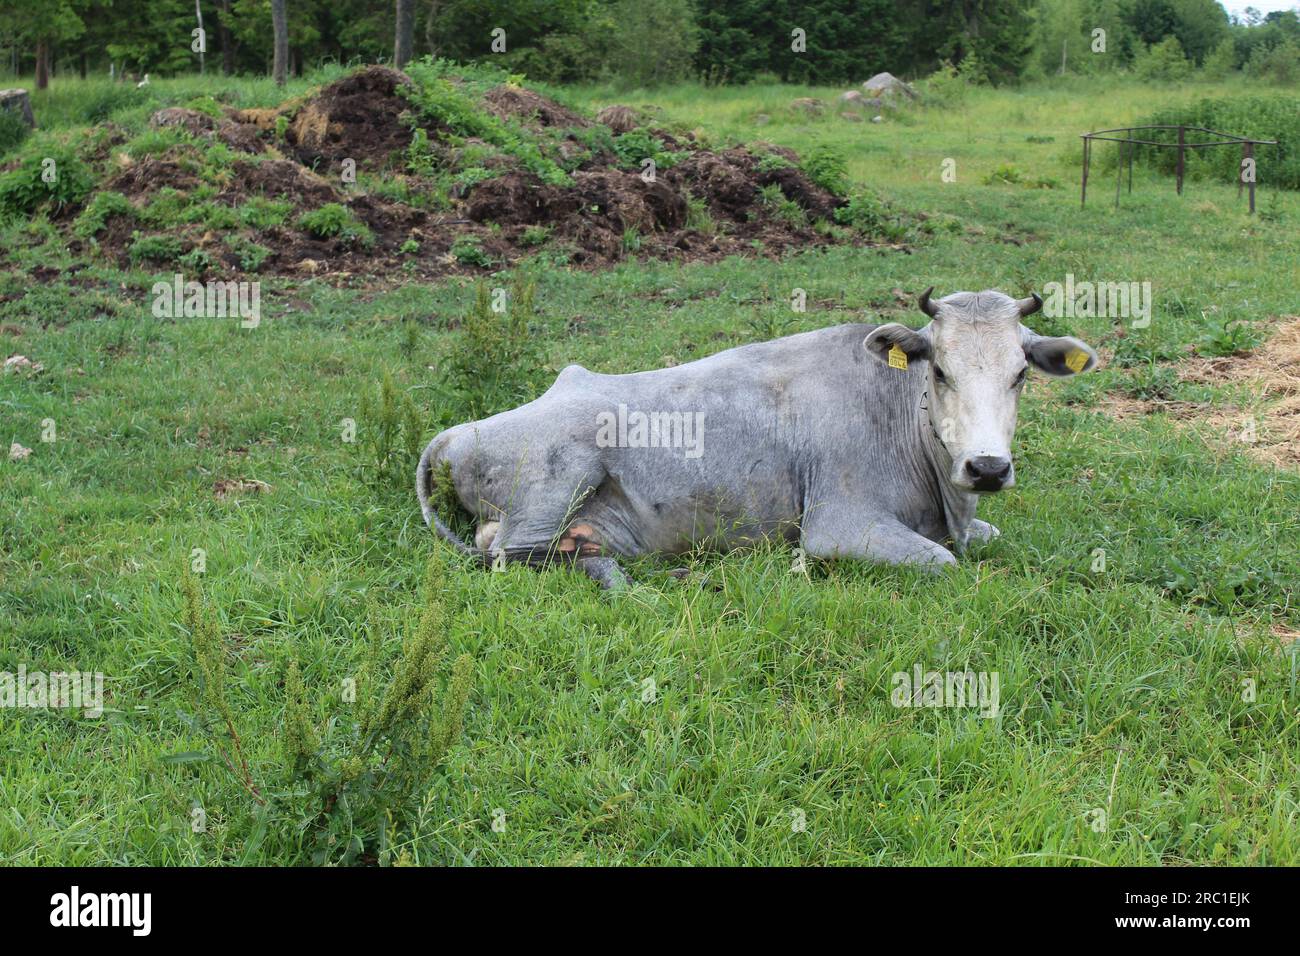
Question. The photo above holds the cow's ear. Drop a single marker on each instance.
(913, 343)
(1059, 355)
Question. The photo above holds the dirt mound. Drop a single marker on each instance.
(150, 175)
(280, 179)
(514, 102)
(237, 136)
(621, 119)
(359, 117)
(493, 204)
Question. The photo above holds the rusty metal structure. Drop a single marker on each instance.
(1128, 142)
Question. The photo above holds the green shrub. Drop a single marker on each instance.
(866, 213)
(261, 213)
(155, 142)
(206, 105)
(495, 360)
(635, 146)
(198, 261)
(456, 108)
(773, 199)
(12, 130)
(468, 250)
(51, 179)
(334, 220)
(347, 786)
(98, 211)
(1279, 63)
(1267, 116)
(1163, 61)
(251, 255)
(154, 248)
(534, 236)
(771, 162)
(698, 216)
(391, 436)
(827, 167)
(106, 99)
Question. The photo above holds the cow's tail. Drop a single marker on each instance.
(423, 488)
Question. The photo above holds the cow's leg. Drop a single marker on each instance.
(982, 531)
(872, 539)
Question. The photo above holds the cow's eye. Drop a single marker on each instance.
(1020, 379)
(939, 376)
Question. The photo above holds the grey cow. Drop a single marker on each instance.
(857, 441)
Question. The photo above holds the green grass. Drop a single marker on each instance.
(1120, 690)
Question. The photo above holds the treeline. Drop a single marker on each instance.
(645, 42)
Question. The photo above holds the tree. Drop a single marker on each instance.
(43, 25)
(405, 38)
(280, 28)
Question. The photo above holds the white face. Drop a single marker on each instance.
(977, 371)
(979, 355)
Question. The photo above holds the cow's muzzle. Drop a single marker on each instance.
(988, 472)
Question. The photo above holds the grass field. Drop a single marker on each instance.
(1160, 690)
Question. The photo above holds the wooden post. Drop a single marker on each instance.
(1129, 133)
(1180, 160)
(1250, 154)
(1087, 152)
(1119, 171)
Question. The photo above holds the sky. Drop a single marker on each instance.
(1263, 6)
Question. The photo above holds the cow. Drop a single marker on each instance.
(856, 441)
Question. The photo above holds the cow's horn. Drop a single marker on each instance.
(1031, 305)
(928, 307)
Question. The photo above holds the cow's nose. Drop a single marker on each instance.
(987, 472)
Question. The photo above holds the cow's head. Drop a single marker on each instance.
(976, 354)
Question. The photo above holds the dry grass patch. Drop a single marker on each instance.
(1268, 425)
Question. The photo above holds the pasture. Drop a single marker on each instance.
(1139, 608)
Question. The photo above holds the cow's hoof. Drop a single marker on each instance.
(486, 534)
(605, 572)
(983, 531)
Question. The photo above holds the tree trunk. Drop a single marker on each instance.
(405, 33)
(83, 65)
(198, 13)
(227, 44)
(280, 27)
(42, 64)
(430, 41)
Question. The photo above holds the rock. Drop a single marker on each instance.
(877, 119)
(885, 85)
(762, 119)
(18, 452)
(806, 104)
(621, 119)
(851, 98)
(851, 116)
(21, 363)
(17, 101)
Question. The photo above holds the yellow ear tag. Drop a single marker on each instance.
(1076, 360)
(897, 358)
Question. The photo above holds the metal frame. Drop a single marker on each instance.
(1128, 142)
